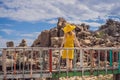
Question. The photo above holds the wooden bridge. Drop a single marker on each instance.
(39, 62)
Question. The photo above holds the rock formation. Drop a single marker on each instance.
(23, 43)
(54, 36)
(108, 35)
(10, 44)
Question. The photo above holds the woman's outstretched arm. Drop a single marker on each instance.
(76, 40)
(63, 41)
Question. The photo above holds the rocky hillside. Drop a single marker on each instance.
(111, 31)
(107, 35)
(54, 36)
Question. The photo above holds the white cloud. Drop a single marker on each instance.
(8, 25)
(116, 19)
(92, 24)
(53, 21)
(27, 35)
(31, 35)
(35, 10)
(24, 10)
(7, 31)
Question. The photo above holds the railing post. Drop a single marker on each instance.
(75, 50)
(81, 61)
(119, 61)
(4, 63)
(14, 57)
(106, 62)
(92, 58)
(111, 58)
(23, 63)
(91, 61)
(31, 63)
(50, 60)
(98, 61)
(81, 58)
(117, 76)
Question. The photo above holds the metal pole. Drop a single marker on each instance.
(20, 62)
(67, 64)
(50, 60)
(81, 58)
(14, 62)
(110, 52)
(4, 63)
(59, 63)
(117, 76)
(106, 61)
(41, 63)
(75, 62)
(81, 62)
(119, 61)
(92, 62)
(23, 62)
(98, 63)
(12, 67)
(31, 72)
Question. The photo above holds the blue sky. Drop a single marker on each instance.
(25, 19)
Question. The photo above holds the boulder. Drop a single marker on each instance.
(56, 41)
(10, 44)
(44, 39)
(23, 43)
(87, 42)
(36, 43)
(61, 33)
(54, 32)
(60, 41)
(61, 22)
(83, 34)
(78, 28)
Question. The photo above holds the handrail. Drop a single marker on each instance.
(59, 48)
(45, 56)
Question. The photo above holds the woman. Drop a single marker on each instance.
(68, 42)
